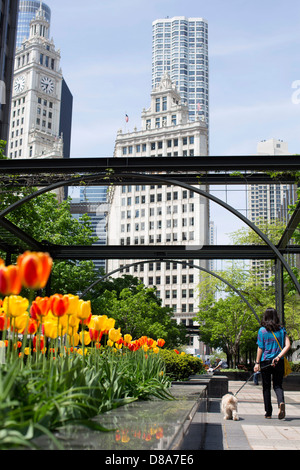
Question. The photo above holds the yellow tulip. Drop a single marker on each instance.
(15, 305)
(84, 309)
(20, 322)
(80, 351)
(73, 321)
(50, 329)
(73, 339)
(118, 346)
(145, 347)
(95, 323)
(73, 304)
(110, 323)
(127, 338)
(114, 335)
(84, 337)
(110, 343)
(155, 350)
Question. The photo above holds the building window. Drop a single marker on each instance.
(157, 105)
(164, 103)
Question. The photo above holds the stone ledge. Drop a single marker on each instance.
(141, 425)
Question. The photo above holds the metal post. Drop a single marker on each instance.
(279, 290)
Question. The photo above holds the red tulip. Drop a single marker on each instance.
(59, 304)
(10, 283)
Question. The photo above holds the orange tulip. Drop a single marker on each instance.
(10, 283)
(40, 307)
(59, 304)
(35, 269)
(160, 342)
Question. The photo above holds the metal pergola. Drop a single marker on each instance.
(193, 173)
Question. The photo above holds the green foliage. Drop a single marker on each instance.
(2, 148)
(181, 366)
(295, 366)
(138, 312)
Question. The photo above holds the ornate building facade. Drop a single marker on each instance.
(160, 214)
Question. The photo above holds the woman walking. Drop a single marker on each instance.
(270, 354)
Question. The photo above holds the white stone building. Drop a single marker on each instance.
(159, 214)
(36, 98)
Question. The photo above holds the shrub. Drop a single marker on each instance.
(295, 366)
(181, 366)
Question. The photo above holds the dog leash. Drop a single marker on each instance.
(264, 367)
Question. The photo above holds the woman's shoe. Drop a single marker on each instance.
(268, 416)
(281, 413)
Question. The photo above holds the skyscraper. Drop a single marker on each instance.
(27, 12)
(180, 48)
(269, 203)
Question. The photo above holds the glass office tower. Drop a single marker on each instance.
(27, 12)
(180, 48)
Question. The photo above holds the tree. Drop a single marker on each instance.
(274, 231)
(49, 221)
(227, 322)
(2, 148)
(138, 312)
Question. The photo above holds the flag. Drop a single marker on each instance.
(198, 107)
(126, 118)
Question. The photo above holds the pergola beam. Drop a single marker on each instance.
(214, 163)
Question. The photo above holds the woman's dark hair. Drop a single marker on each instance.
(271, 320)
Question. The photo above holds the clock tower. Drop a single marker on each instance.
(36, 97)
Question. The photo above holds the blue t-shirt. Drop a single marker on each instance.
(269, 345)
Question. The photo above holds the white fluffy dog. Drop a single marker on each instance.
(229, 407)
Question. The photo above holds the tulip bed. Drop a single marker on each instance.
(60, 364)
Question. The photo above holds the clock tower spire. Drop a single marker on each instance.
(37, 92)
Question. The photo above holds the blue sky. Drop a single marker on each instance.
(254, 49)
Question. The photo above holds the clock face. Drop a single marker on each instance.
(47, 85)
(19, 84)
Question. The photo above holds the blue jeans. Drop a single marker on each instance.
(267, 374)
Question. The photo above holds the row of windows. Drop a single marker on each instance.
(168, 280)
(159, 238)
(157, 266)
(142, 187)
(170, 210)
(158, 145)
(170, 196)
(44, 60)
(157, 224)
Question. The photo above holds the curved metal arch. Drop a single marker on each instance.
(157, 178)
(191, 265)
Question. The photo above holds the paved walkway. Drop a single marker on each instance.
(253, 431)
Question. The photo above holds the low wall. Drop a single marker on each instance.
(140, 426)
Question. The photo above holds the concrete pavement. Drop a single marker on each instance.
(253, 431)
